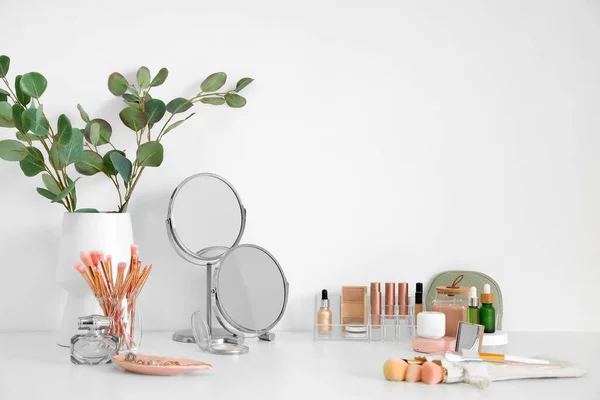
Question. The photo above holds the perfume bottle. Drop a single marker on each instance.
(94, 347)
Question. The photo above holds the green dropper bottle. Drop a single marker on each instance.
(487, 313)
(473, 310)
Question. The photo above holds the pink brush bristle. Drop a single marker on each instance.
(80, 268)
(94, 256)
(86, 258)
(109, 258)
(134, 249)
(100, 256)
(122, 266)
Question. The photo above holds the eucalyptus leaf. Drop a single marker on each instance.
(47, 194)
(117, 84)
(122, 165)
(12, 150)
(131, 99)
(109, 168)
(64, 155)
(23, 98)
(65, 130)
(95, 133)
(215, 101)
(26, 137)
(176, 124)
(143, 77)
(150, 154)
(105, 131)
(6, 118)
(50, 184)
(70, 187)
(4, 66)
(87, 210)
(90, 163)
(3, 95)
(30, 122)
(33, 84)
(160, 78)
(235, 100)
(17, 116)
(179, 105)
(33, 163)
(154, 110)
(133, 118)
(213, 82)
(242, 83)
(84, 116)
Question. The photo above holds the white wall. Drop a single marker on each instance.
(383, 140)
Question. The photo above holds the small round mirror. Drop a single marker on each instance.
(205, 219)
(250, 291)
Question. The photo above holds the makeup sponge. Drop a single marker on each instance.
(413, 373)
(394, 369)
(431, 373)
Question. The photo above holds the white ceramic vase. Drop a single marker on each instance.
(110, 233)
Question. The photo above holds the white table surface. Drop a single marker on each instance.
(291, 367)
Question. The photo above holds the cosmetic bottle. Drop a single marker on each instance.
(473, 310)
(487, 313)
(403, 299)
(94, 347)
(324, 315)
(418, 300)
(376, 304)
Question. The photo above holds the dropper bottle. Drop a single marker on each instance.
(473, 310)
(487, 313)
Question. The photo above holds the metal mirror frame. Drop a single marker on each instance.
(225, 319)
(195, 257)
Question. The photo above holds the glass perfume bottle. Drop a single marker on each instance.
(94, 347)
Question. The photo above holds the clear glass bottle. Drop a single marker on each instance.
(453, 302)
(94, 347)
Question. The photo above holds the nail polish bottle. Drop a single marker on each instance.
(94, 347)
(473, 310)
(487, 313)
(324, 314)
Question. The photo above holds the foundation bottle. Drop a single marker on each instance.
(324, 314)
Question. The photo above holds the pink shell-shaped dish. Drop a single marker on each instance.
(187, 365)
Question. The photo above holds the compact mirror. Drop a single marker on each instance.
(249, 292)
(206, 218)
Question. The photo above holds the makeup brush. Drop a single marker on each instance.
(94, 256)
(489, 357)
(81, 269)
(109, 265)
(120, 276)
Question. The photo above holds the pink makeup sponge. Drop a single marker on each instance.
(413, 373)
(394, 369)
(431, 373)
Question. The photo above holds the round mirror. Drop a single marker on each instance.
(250, 291)
(205, 219)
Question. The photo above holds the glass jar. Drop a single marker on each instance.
(453, 302)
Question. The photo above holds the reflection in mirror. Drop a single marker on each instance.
(251, 288)
(207, 216)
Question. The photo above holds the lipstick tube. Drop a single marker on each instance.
(403, 299)
(376, 304)
(390, 299)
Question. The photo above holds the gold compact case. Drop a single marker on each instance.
(354, 306)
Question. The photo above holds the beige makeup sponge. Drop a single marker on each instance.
(431, 373)
(394, 369)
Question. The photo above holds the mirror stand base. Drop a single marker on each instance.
(267, 336)
(217, 336)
